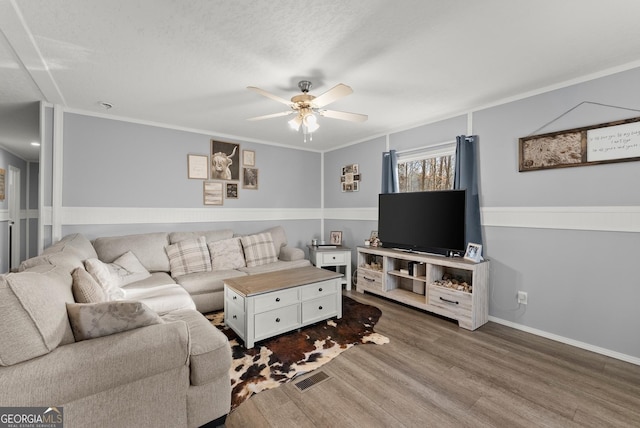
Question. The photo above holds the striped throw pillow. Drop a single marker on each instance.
(259, 249)
(189, 256)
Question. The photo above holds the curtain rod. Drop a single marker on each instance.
(433, 146)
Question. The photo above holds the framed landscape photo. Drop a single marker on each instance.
(335, 237)
(248, 158)
(213, 192)
(474, 252)
(198, 167)
(232, 190)
(250, 178)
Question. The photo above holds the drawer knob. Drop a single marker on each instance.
(277, 299)
(235, 297)
(235, 317)
(277, 319)
(320, 289)
(319, 308)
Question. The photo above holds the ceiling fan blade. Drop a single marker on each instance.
(343, 115)
(269, 95)
(333, 94)
(270, 116)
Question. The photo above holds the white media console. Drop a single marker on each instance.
(416, 280)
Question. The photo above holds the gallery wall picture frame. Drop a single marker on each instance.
(248, 158)
(213, 192)
(350, 178)
(609, 142)
(225, 161)
(232, 190)
(198, 167)
(335, 237)
(250, 178)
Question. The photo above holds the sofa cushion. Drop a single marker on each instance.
(277, 265)
(160, 293)
(149, 248)
(69, 259)
(77, 242)
(226, 254)
(33, 318)
(209, 350)
(207, 282)
(259, 249)
(105, 277)
(209, 235)
(92, 320)
(85, 288)
(189, 256)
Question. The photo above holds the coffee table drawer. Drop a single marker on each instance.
(234, 299)
(276, 321)
(318, 289)
(234, 318)
(276, 299)
(319, 309)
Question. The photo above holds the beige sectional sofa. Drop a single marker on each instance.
(146, 358)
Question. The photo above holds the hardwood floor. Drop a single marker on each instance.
(434, 374)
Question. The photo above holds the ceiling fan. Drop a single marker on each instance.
(305, 107)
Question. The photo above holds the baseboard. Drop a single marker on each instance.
(567, 341)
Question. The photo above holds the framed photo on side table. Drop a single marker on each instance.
(335, 238)
(474, 252)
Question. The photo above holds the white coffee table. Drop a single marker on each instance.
(264, 305)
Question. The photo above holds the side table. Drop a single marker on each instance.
(340, 257)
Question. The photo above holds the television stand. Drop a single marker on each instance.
(449, 286)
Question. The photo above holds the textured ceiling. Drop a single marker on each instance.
(188, 63)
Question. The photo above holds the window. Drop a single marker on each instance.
(427, 169)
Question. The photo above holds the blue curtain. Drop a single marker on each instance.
(466, 177)
(390, 172)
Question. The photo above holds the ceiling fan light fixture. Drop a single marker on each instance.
(295, 123)
(310, 122)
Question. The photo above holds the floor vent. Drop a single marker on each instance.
(312, 380)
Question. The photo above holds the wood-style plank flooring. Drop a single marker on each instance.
(434, 374)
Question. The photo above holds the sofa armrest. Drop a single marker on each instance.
(88, 367)
(289, 254)
(209, 353)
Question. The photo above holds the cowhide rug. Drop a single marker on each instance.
(278, 360)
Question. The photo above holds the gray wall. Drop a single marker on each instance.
(111, 163)
(581, 284)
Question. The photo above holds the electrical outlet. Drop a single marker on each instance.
(522, 297)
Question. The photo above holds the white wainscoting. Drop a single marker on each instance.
(614, 219)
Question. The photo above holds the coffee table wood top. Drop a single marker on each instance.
(272, 281)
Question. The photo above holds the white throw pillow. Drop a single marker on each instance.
(189, 256)
(259, 249)
(105, 277)
(92, 320)
(226, 254)
(128, 269)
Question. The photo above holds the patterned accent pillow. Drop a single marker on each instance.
(85, 288)
(259, 249)
(127, 268)
(103, 275)
(91, 320)
(189, 256)
(226, 254)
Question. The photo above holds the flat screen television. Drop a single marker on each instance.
(430, 222)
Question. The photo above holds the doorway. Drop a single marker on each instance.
(13, 197)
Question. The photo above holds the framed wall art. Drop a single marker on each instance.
(213, 192)
(232, 190)
(610, 142)
(225, 161)
(350, 178)
(248, 158)
(250, 178)
(198, 167)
